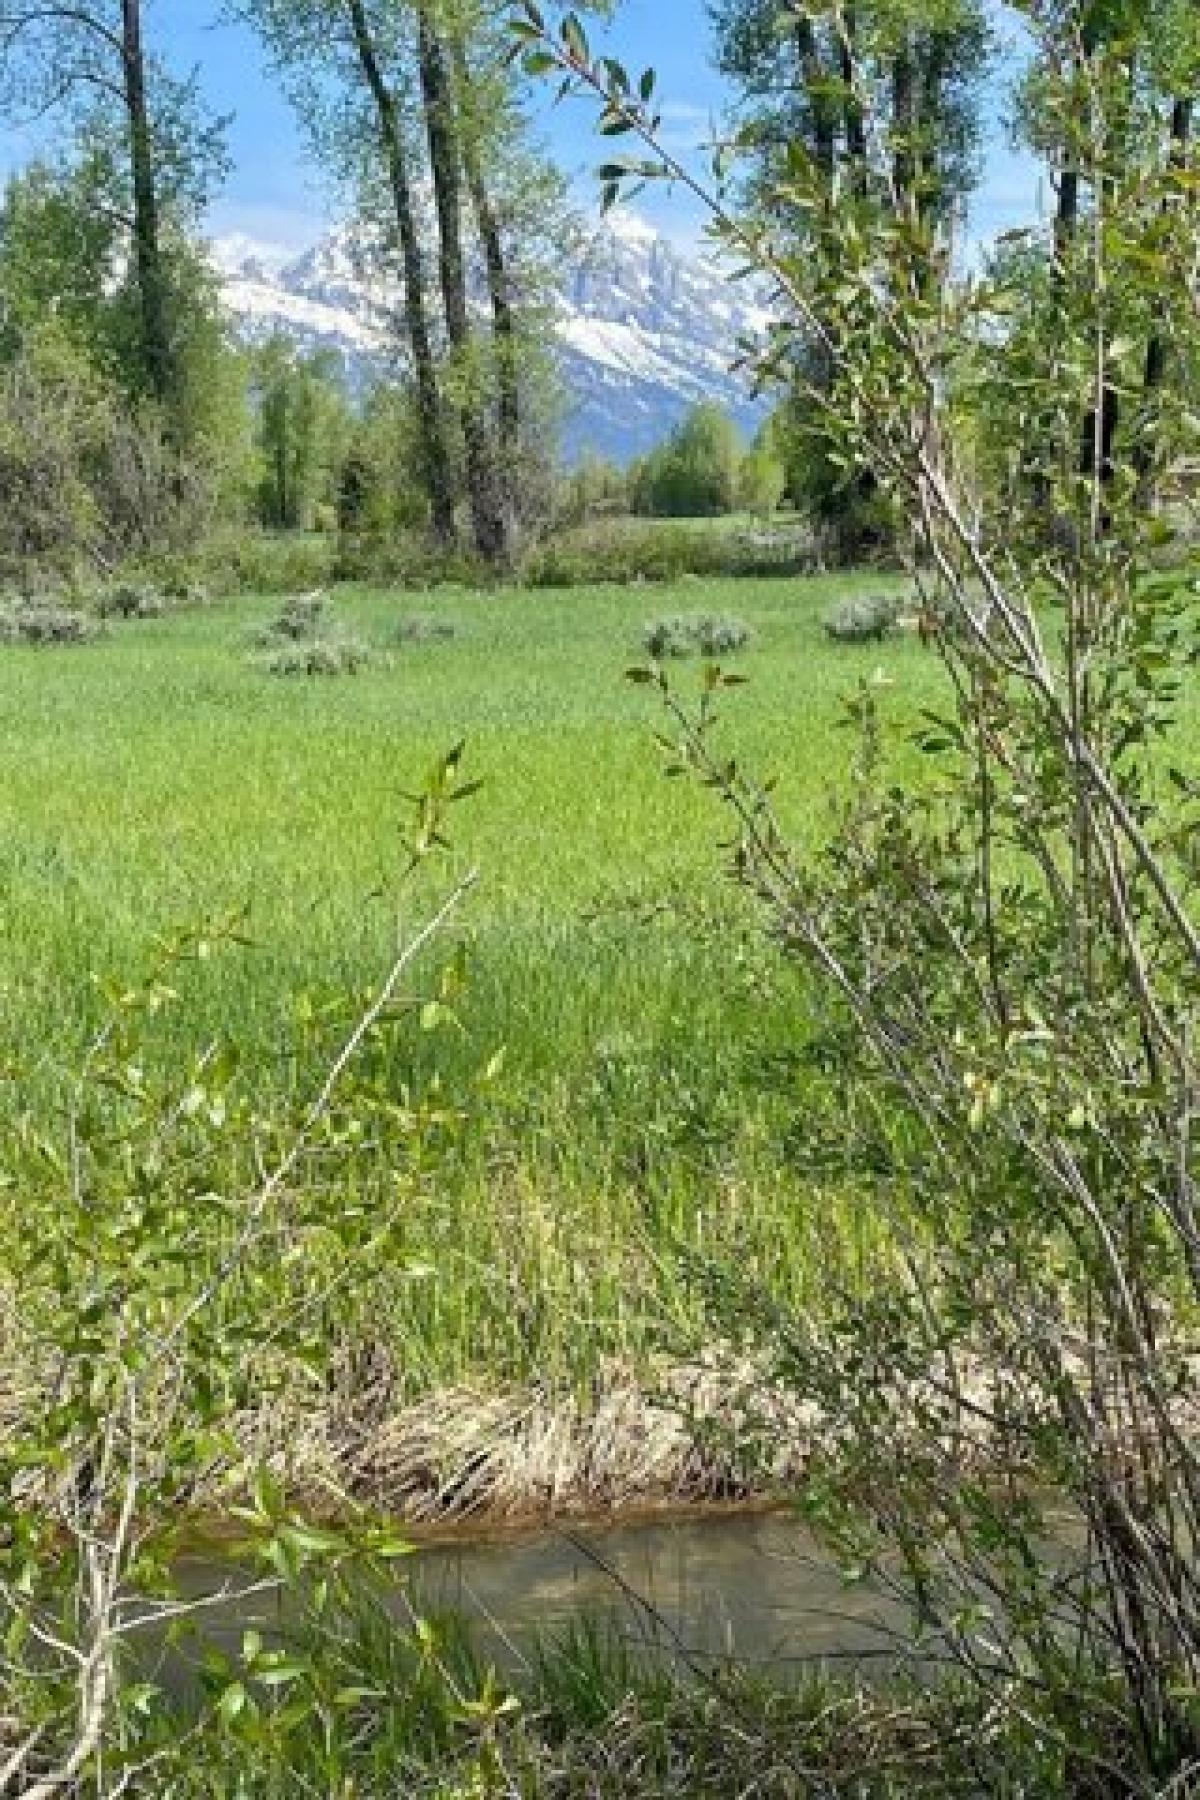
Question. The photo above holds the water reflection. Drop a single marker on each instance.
(755, 1587)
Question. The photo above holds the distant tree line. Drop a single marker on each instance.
(131, 418)
(703, 469)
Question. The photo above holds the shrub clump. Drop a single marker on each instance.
(302, 618)
(421, 629)
(131, 600)
(701, 634)
(302, 641)
(44, 621)
(864, 618)
(615, 552)
(335, 655)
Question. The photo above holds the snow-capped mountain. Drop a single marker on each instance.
(644, 331)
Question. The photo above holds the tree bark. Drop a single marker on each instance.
(445, 163)
(904, 106)
(820, 101)
(504, 318)
(430, 414)
(147, 248)
(855, 126)
(1099, 436)
(1158, 348)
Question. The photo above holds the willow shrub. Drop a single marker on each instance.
(1015, 939)
(173, 1265)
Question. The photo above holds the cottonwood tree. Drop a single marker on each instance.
(303, 431)
(89, 62)
(1149, 108)
(806, 88)
(413, 101)
(152, 477)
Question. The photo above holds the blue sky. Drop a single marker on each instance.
(278, 195)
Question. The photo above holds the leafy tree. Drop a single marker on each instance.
(762, 478)
(154, 154)
(303, 432)
(379, 488)
(56, 427)
(592, 489)
(59, 253)
(1147, 50)
(805, 84)
(403, 93)
(149, 477)
(695, 473)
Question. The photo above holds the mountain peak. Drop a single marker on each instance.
(629, 227)
(645, 330)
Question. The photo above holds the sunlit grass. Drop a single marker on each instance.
(653, 1068)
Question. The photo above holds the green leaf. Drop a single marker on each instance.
(233, 1702)
(575, 39)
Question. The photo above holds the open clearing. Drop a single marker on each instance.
(160, 777)
(658, 1072)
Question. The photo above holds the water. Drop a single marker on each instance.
(756, 1587)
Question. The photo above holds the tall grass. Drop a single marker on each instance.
(651, 1065)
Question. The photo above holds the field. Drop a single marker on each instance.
(654, 1072)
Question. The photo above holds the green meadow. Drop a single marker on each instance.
(655, 1070)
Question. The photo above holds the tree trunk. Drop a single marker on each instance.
(928, 115)
(444, 157)
(431, 418)
(855, 127)
(1099, 435)
(147, 249)
(820, 100)
(904, 106)
(504, 319)
(1158, 347)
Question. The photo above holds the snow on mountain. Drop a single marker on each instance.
(644, 330)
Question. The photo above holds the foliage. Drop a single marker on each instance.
(852, 518)
(696, 473)
(304, 616)
(691, 634)
(130, 600)
(762, 478)
(41, 619)
(594, 489)
(333, 655)
(864, 618)
(304, 640)
(55, 421)
(633, 551)
(153, 1305)
(147, 159)
(303, 433)
(407, 102)
(1011, 947)
(879, 102)
(380, 493)
(135, 476)
(588, 1715)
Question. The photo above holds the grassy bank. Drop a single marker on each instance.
(366, 1708)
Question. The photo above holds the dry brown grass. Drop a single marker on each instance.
(467, 1453)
